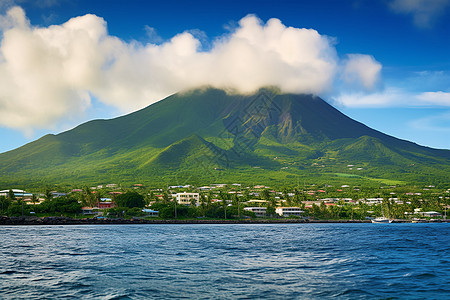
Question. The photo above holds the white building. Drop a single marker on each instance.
(150, 212)
(20, 194)
(289, 211)
(371, 201)
(257, 201)
(430, 214)
(259, 211)
(186, 198)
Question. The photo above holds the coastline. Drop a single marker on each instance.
(69, 221)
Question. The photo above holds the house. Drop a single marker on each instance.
(58, 194)
(259, 211)
(219, 185)
(371, 201)
(257, 201)
(204, 188)
(30, 201)
(187, 198)
(172, 187)
(18, 194)
(160, 197)
(259, 187)
(309, 204)
(150, 212)
(105, 204)
(430, 214)
(289, 211)
(87, 210)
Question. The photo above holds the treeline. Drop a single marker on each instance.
(130, 204)
(65, 205)
(230, 205)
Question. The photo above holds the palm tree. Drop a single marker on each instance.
(165, 198)
(224, 203)
(236, 202)
(203, 204)
(98, 196)
(288, 200)
(33, 199)
(48, 196)
(11, 195)
(88, 197)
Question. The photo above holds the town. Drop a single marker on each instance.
(231, 201)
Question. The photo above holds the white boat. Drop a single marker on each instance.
(381, 220)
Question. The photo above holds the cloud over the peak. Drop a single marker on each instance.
(48, 73)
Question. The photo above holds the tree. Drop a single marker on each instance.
(271, 203)
(48, 194)
(265, 195)
(34, 199)
(130, 199)
(167, 210)
(237, 203)
(11, 195)
(224, 203)
(4, 204)
(98, 196)
(166, 197)
(150, 197)
(88, 197)
(60, 205)
(16, 209)
(203, 204)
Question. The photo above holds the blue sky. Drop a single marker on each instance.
(384, 63)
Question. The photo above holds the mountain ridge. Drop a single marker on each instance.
(213, 135)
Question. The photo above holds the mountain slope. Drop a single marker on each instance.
(206, 134)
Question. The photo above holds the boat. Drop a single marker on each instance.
(381, 220)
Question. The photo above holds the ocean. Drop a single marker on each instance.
(226, 261)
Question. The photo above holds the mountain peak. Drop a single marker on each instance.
(204, 130)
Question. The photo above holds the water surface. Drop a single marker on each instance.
(346, 261)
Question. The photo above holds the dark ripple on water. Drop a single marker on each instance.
(345, 261)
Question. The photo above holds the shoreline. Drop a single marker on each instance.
(69, 221)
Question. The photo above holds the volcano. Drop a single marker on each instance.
(207, 135)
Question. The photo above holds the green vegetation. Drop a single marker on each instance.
(130, 200)
(207, 136)
(319, 202)
(67, 206)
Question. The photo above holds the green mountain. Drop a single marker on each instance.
(206, 135)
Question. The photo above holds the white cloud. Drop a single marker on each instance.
(389, 97)
(362, 69)
(425, 12)
(51, 72)
(436, 98)
(15, 17)
(393, 97)
(437, 123)
(152, 35)
(4, 4)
